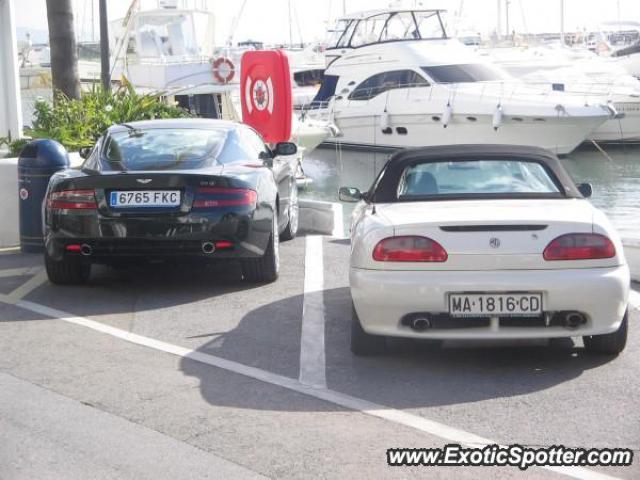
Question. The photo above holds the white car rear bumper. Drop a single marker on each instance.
(382, 298)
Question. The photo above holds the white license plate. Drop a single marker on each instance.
(498, 304)
(145, 198)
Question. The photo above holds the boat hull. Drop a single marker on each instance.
(560, 135)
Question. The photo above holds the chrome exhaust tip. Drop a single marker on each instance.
(420, 324)
(86, 250)
(573, 320)
(208, 248)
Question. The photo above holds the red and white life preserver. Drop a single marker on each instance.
(223, 70)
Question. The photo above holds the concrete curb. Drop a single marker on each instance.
(324, 218)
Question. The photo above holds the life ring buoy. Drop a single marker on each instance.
(223, 70)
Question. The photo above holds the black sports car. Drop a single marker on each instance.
(162, 189)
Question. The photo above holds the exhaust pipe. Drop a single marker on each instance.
(208, 248)
(420, 324)
(574, 320)
(86, 250)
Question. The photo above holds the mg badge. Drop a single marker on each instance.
(494, 242)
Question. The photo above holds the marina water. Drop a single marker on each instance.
(615, 180)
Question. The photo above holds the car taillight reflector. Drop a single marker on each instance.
(73, 248)
(212, 197)
(72, 200)
(409, 249)
(580, 246)
(222, 245)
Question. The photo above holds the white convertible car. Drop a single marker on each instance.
(483, 242)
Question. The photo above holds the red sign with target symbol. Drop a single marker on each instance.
(267, 102)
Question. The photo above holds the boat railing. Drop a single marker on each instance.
(490, 92)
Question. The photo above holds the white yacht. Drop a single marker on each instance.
(394, 79)
(583, 74)
(619, 40)
(170, 49)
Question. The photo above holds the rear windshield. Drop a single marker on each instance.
(477, 178)
(163, 149)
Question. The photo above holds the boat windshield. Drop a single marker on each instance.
(387, 27)
(333, 35)
(466, 73)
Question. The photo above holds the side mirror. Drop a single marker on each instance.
(267, 159)
(350, 194)
(85, 152)
(285, 148)
(585, 189)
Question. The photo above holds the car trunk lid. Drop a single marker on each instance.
(490, 234)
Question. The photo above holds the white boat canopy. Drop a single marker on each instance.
(390, 25)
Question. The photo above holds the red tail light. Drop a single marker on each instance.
(223, 245)
(213, 197)
(580, 246)
(73, 200)
(409, 249)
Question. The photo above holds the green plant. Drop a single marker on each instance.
(79, 123)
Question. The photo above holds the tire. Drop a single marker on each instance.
(610, 343)
(362, 343)
(264, 269)
(291, 230)
(68, 271)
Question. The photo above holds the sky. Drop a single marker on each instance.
(268, 20)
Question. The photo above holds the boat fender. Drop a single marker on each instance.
(384, 121)
(446, 115)
(497, 117)
(613, 111)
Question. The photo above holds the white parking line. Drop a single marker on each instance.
(19, 272)
(338, 221)
(416, 422)
(25, 289)
(312, 352)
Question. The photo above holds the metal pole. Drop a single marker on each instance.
(618, 9)
(93, 22)
(105, 68)
(290, 27)
(506, 7)
(499, 19)
(562, 23)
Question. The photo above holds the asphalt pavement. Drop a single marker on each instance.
(189, 372)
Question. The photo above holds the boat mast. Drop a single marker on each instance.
(562, 23)
(499, 22)
(290, 27)
(506, 7)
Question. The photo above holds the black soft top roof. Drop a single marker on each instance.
(385, 188)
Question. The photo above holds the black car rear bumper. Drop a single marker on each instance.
(104, 240)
